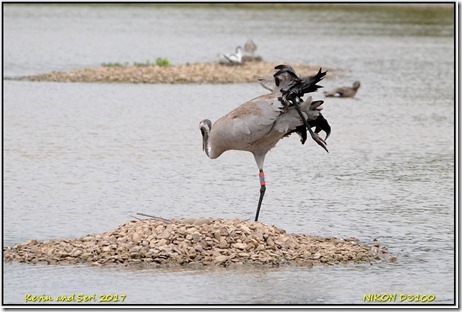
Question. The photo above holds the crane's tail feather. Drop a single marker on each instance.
(293, 88)
(285, 76)
(321, 124)
(315, 119)
(309, 84)
(316, 105)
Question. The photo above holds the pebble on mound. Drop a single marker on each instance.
(209, 72)
(203, 242)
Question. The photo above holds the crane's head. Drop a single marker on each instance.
(205, 126)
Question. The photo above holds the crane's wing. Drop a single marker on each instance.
(257, 116)
(248, 123)
(285, 77)
(314, 119)
(267, 83)
(301, 86)
(309, 84)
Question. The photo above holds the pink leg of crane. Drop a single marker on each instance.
(261, 175)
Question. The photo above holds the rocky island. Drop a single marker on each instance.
(208, 72)
(197, 242)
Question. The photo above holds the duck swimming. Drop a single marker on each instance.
(344, 91)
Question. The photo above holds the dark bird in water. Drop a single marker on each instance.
(257, 125)
(344, 91)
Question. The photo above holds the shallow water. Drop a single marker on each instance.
(84, 158)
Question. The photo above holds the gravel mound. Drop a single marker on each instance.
(202, 242)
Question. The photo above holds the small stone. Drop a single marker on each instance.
(221, 258)
(223, 243)
(199, 248)
(188, 221)
(196, 237)
(200, 221)
(317, 256)
(245, 229)
(240, 245)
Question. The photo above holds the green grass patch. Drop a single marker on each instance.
(114, 64)
(160, 61)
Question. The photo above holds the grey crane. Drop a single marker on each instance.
(257, 125)
(250, 47)
(344, 91)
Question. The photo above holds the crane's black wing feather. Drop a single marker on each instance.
(294, 88)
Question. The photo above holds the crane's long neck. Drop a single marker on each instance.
(205, 127)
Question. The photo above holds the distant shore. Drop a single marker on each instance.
(208, 72)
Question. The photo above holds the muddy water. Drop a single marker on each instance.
(84, 158)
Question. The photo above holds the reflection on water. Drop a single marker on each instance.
(84, 158)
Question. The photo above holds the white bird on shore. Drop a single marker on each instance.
(231, 58)
(257, 125)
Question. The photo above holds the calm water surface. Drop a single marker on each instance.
(84, 158)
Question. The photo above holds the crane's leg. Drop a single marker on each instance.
(261, 175)
(314, 135)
